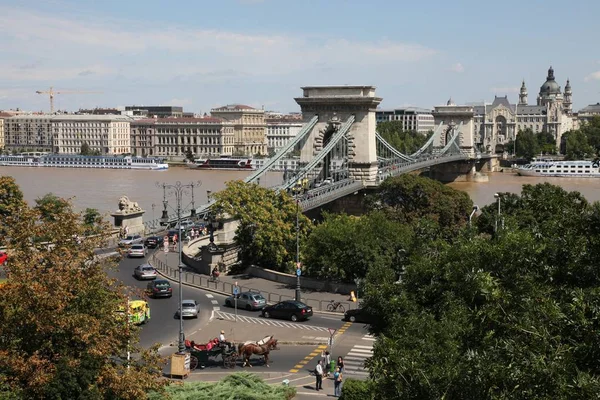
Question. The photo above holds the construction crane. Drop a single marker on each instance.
(51, 93)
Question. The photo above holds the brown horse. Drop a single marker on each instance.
(247, 349)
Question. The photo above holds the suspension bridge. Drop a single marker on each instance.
(339, 152)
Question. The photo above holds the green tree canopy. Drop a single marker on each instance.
(577, 147)
(189, 155)
(86, 150)
(527, 144)
(345, 247)
(61, 334)
(267, 230)
(413, 199)
(407, 142)
(51, 206)
(591, 129)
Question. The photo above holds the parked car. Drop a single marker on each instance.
(358, 315)
(247, 300)
(325, 182)
(130, 239)
(288, 309)
(190, 308)
(137, 250)
(152, 242)
(159, 288)
(3, 258)
(145, 271)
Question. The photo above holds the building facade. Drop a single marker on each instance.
(172, 137)
(3, 116)
(412, 118)
(586, 114)
(493, 125)
(155, 111)
(280, 131)
(250, 129)
(65, 134)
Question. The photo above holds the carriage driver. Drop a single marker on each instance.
(222, 340)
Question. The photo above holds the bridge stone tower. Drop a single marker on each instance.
(334, 105)
(452, 117)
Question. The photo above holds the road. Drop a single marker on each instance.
(163, 327)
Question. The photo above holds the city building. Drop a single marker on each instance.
(3, 116)
(156, 111)
(412, 118)
(100, 111)
(589, 112)
(497, 123)
(66, 133)
(280, 130)
(172, 137)
(250, 129)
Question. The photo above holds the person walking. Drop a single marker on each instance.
(340, 364)
(328, 366)
(337, 383)
(319, 375)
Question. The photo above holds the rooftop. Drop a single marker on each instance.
(162, 121)
(73, 117)
(233, 107)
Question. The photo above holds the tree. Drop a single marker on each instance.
(407, 142)
(267, 231)
(546, 142)
(527, 145)
(61, 334)
(413, 199)
(11, 202)
(345, 247)
(591, 129)
(85, 149)
(189, 155)
(577, 147)
(51, 206)
(91, 220)
(513, 316)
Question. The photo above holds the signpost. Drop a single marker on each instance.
(236, 291)
(330, 341)
(298, 272)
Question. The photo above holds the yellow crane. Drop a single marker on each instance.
(51, 93)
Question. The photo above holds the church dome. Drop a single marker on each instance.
(550, 86)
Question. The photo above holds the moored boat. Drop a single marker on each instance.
(562, 169)
(223, 163)
(79, 161)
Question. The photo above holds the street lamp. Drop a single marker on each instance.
(497, 196)
(178, 190)
(296, 191)
(475, 209)
(153, 220)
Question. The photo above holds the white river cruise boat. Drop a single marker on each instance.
(78, 161)
(563, 169)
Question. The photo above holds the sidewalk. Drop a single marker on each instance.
(274, 292)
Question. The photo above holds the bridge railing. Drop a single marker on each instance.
(316, 197)
(423, 162)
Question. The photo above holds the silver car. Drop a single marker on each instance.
(131, 239)
(145, 271)
(137, 250)
(190, 308)
(247, 300)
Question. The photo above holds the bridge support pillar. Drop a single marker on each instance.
(337, 104)
(463, 171)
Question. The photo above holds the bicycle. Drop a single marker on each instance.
(214, 278)
(335, 306)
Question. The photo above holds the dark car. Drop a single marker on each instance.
(288, 309)
(159, 288)
(152, 242)
(358, 315)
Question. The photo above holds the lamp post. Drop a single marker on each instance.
(475, 209)
(178, 189)
(497, 196)
(153, 220)
(297, 189)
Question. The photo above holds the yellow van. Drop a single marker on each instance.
(139, 312)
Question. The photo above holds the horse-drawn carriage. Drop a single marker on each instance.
(261, 348)
(201, 353)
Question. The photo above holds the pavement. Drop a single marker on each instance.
(272, 291)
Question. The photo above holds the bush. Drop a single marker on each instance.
(240, 386)
(354, 389)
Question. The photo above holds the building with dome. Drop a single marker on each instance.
(499, 122)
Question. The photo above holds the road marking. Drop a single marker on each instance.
(354, 362)
(214, 301)
(294, 370)
(265, 321)
(210, 296)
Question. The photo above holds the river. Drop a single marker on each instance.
(102, 188)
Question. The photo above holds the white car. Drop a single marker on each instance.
(145, 271)
(325, 182)
(137, 250)
(191, 308)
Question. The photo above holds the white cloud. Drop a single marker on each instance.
(458, 67)
(133, 48)
(506, 89)
(594, 76)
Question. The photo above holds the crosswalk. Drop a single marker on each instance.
(354, 362)
(269, 322)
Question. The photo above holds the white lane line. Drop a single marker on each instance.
(214, 301)
(353, 358)
(216, 308)
(210, 296)
(356, 346)
(361, 352)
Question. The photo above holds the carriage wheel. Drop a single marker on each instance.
(193, 363)
(229, 361)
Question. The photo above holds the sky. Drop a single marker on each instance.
(204, 54)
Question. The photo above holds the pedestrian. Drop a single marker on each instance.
(328, 366)
(337, 383)
(340, 364)
(319, 375)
